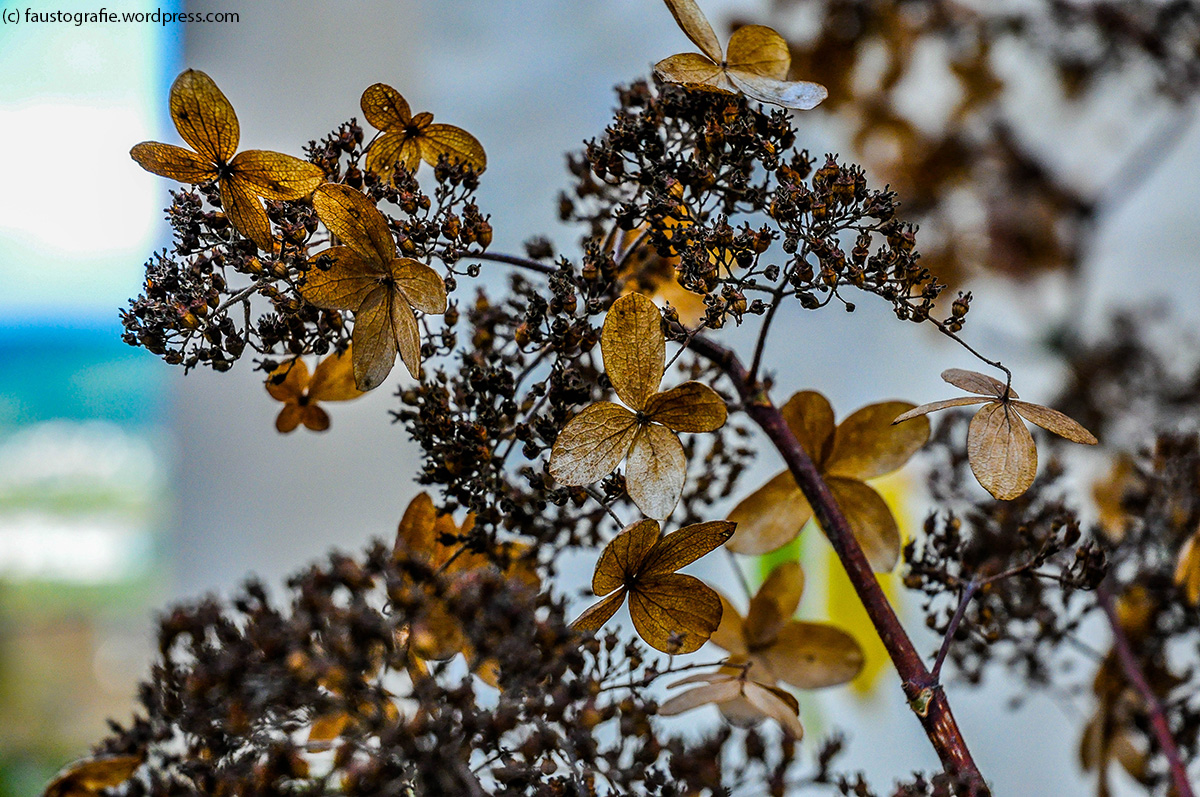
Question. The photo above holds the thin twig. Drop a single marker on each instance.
(513, 260)
(968, 593)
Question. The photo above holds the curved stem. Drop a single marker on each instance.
(928, 702)
(513, 260)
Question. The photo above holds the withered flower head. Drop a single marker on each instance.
(731, 685)
(368, 278)
(864, 446)
(332, 380)
(406, 140)
(673, 612)
(757, 63)
(206, 121)
(595, 441)
(1001, 450)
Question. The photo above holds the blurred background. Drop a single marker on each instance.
(125, 485)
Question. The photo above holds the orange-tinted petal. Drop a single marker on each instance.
(696, 27)
(1001, 451)
(867, 444)
(681, 548)
(691, 407)
(315, 418)
(422, 287)
(810, 417)
(391, 150)
(674, 613)
(167, 160)
(455, 143)
(599, 613)
(289, 417)
(871, 521)
(770, 517)
(246, 212)
(92, 775)
(624, 556)
(1187, 569)
(1054, 421)
(655, 471)
(333, 379)
(295, 380)
(356, 221)
(384, 107)
(274, 175)
(759, 50)
(345, 285)
(634, 348)
(203, 117)
(592, 444)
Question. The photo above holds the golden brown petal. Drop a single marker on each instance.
(384, 107)
(391, 150)
(1001, 451)
(655, 471)
(1187, 569)
(871, 521)
(345, 285)
(592, 444)
(289, 417)
(774, 604)
(813, 655)
(374, 337)
(1054, 421)
(315, 418)
(405, 332)
(333, 379)
(867, 444)
(681, 548)
(92, 775)
(799, 95)
(770, 517)
(624, 556)
(422, 287)
(295, 379)
(455, 143)
(759, 50)
(975, 382)
(696, 27)
(692, 68)
(691, 407)
(356, 221)
(415, 534)
(246, 213)
(599, 613)
(674, 613)
(274, 175)
(934, 406)
(167, 160)
(730, 634)
(810, 417)
(203, 117)
(634, 348)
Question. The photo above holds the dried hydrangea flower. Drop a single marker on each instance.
(406, 140)
(733, 685)
(300, 392)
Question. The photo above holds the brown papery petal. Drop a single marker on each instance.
(759, 50)
(421, 285)
(716, 692)
(624, 555)
(295, 379)
(599, 613)
(374, 338)
(289, 418)
(634, 348)
(315, 418)
(415, 533)
(356, 221)
(691, 407)
(798, 95)
(774, 603)
(681, 548)
(345, 285)
(592, 444)
(246, 213)
(405, 331)
(813, 655)
(384, 107)
(773, 705)
(870, 520)
(655, 471)
(203, 117)
(391, 150)
(1001, 451)
(975, 382)
(810, 417)
(934, 406)
(696, 27)
(1054, 421)
(456, 144)
(91, 775)
(674, 613)
(277, 176)
(333, 379)
(167, 160)
(867, 444)
(691, 68)
(730, 634)
(770, 517)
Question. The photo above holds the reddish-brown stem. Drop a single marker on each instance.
(1154, 708)
(922, 689)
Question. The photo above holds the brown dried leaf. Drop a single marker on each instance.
(674, 613)
(934, 406)
(625, 555)
(204, 117)
(1054, 421)
(634, 348)
(813, 655)
(774, 604)
(177, 163)
(416, 534)
(690, 407)
(693, 69)
(592, 444)
(333, 379)
(681, 548)
(867, 444)
(730, 634)
(383, 327)
(870, 519)
(391, 150)
(384, 107)
(655, 470)
(770, 517)
(1001, 451)
(696, 27)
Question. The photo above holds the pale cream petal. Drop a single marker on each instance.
(696, 27)
(592, 444)
(799, 95)
(655, 471)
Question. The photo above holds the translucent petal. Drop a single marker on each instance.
(623, 557)
(798, 95)
(405, 331)
(455, 143)
(333, 379)
(674, 613)
(934, 406)
(384, 107)
(599, 613)
(867, 444)
(344, 285)
(422, 287)
(681, 548)
(691, 68)
(1001, 451)
(203, 117)
(759, 50)
(770, 517)
(1054, 421)
(374, 339)
(813, 655)
(696, 27)
(691, 407)
(592, 444)
(177, 163)
(295, 380)
(391, 150)
(655, 471)
(730, 634)
(975, 382)
(774, 604)
(356, 221)
(634, 348)
(871, 521)
(246, 212)
(774, 706)
(717, 692)
(810, 417)
(277, 176)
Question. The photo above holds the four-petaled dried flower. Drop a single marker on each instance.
(673, 612)
(999, 446)
(367, 277)
(332, 380)
(731, 685)
(206, 121)
(863, 446)
(406, 140)
(90, 776)
(757, 63)
(595, 441)
(805, 655)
